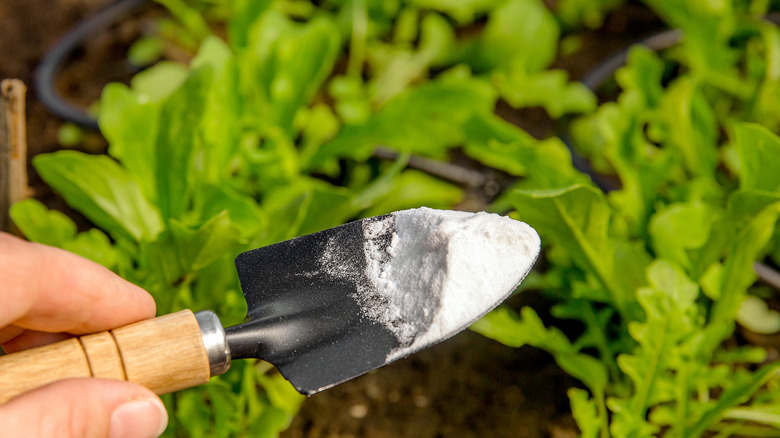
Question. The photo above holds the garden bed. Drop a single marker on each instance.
(467, 386)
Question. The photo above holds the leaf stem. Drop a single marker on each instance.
(357, 53)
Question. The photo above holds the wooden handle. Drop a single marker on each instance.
(164, 354)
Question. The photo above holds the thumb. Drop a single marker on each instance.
(89, 408)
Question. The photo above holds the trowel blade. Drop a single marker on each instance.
(330, 306)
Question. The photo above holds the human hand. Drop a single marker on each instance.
(48, 294)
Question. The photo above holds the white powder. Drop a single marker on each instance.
(431, 273)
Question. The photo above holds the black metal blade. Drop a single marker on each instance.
(333, 305)
(305, 320)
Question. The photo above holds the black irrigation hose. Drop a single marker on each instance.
(47, 71)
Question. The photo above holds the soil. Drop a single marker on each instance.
(467, 386)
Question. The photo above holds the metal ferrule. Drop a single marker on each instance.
(215, 341)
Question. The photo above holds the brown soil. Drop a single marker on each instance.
(465, 387)
(468, 386)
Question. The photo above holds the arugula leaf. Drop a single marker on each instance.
(550, 89)
(687, 123)
(397, 67)
(577, 219)
(677, 228)
(426, 119)
(670, 315)
(738, 272)
(735, 395)
(501, 145)
(758, 149)
(509, 329)
(583, 409)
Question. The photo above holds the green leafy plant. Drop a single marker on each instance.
(274, 133)
(265, 137)
(660, 270)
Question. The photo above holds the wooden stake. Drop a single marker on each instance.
(13, 148)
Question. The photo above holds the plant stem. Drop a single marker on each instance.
(357, 52)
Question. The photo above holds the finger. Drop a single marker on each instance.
(49, 289)
(89, 408)
(30, 339)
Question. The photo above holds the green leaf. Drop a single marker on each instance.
(244, 212)
(671, 315)
(103, 191)
(177, 138)
(687, 123)
(743, 206)
(426, 119)
(641, 79)
(158, 82)
(708, 29)
(504, 326)
(53, 228)
(129, 123)
(281, 393)
(69, 135)
(94, 245)
(544, 164)
(414, 189)
(590, 13)
(735, 395)
(288, 64)
(198, 248)
(397, 67)
(677, 228)
(519, 33)
(758, 149)
(584, 411)
(577, 219)
(463, 11)
(221, 122)
(298, 208)
(39, 224)
(738, 273)
(244, 14)
(145, 50)
(224, 405)
(755, 315)
(189, 17)
(549, 89)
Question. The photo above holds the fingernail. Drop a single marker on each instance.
(138, 419)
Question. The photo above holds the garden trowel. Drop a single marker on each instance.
(323, 308)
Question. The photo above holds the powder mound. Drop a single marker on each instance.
(431, 273)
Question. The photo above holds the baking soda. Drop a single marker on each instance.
(431, 273)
